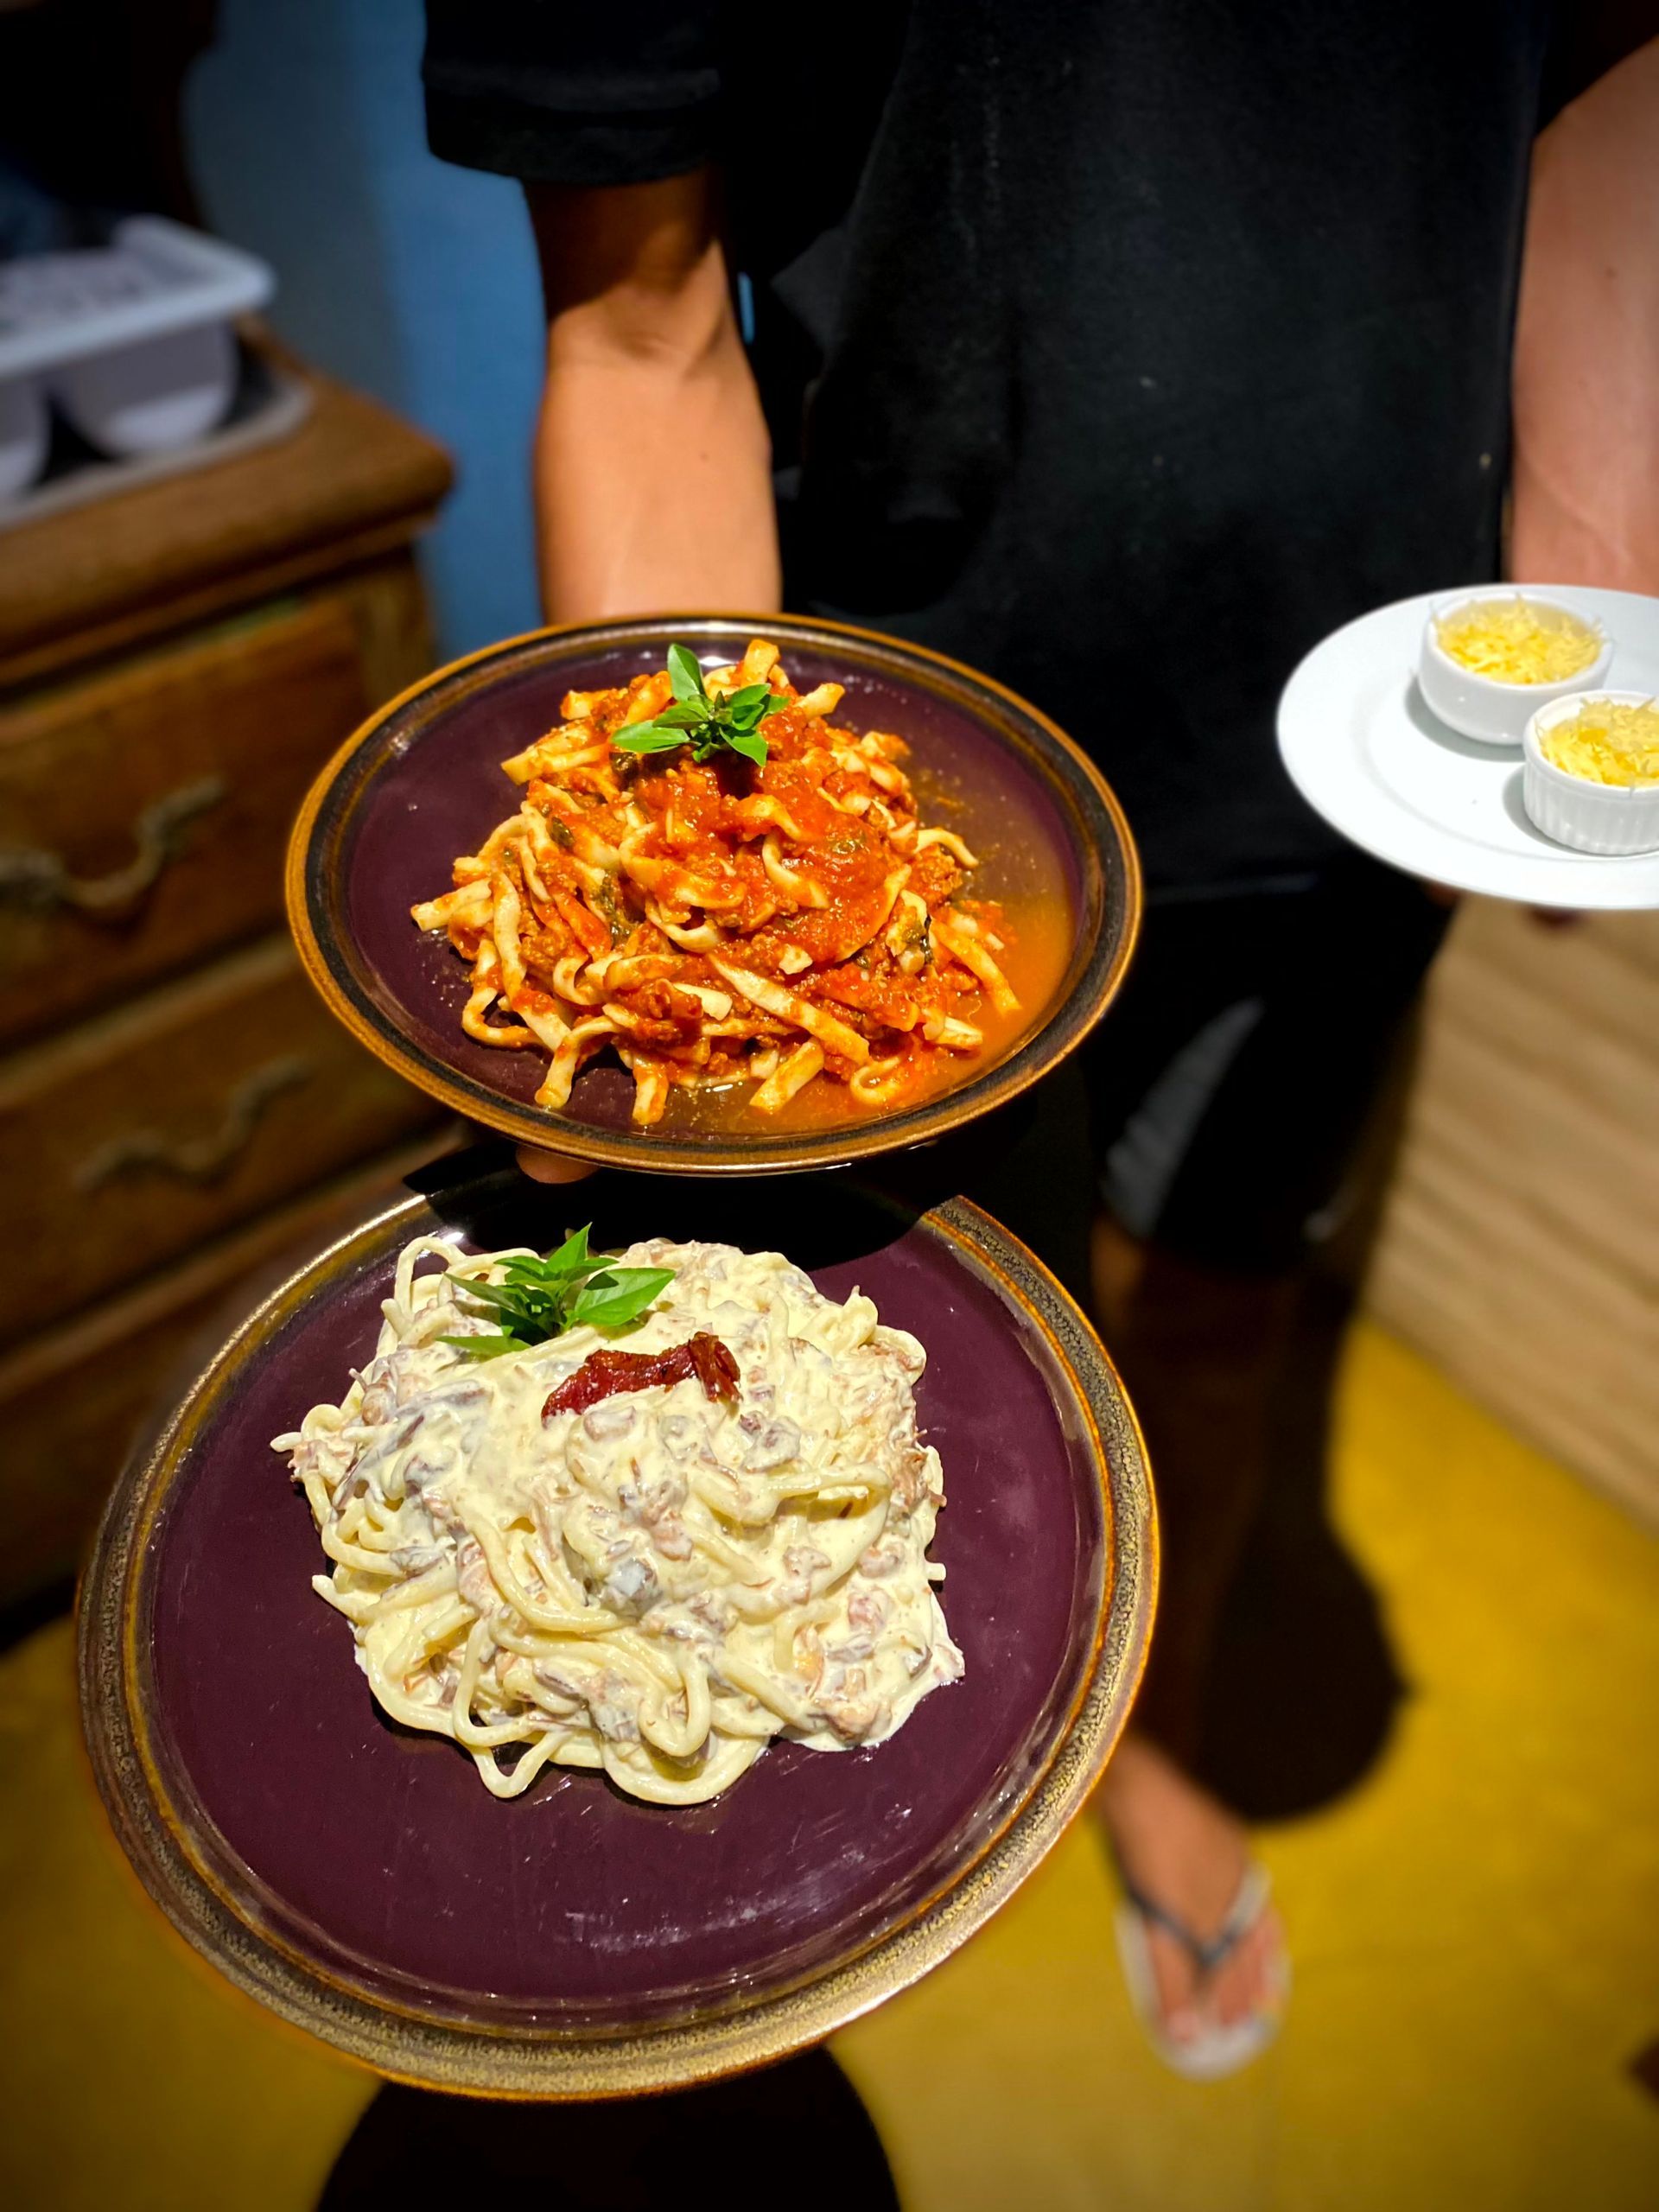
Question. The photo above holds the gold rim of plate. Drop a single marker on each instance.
(433, 2049)
(1070, 778)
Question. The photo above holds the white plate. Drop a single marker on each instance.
(1364, 751)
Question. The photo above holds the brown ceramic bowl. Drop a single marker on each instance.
(360, 1881)
(421, 781)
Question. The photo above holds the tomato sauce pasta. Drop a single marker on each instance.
(724, 912)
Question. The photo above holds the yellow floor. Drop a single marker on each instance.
(1476, 1933)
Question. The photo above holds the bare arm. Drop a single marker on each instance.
(1587, 356)
(653, 486)
(653, 479)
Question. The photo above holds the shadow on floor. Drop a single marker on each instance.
(800, 2124)
(1303, 1694)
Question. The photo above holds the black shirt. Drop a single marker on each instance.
(1121, 347)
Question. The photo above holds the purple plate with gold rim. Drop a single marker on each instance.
(360, 1880)
(422, 782)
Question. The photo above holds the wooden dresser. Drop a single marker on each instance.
(176, 1106)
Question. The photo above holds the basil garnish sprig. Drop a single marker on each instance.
(539, 1300)
(709, 726)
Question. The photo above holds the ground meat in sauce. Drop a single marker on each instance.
(604, 1374)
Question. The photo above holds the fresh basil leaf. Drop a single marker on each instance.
(646, 737)
(612, 1299)
(729, 723)
(572, 1254)
(685, 673)
(539, 1300)
(528, 1327)
(750, 744)
(549, 1285)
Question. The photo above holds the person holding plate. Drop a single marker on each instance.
(1122, 350)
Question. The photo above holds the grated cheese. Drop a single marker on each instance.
(1518, 640)
(1607, 744)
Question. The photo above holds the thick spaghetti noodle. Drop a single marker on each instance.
(554, 1559)
(717, 921)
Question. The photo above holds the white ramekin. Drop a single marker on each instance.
(1481, 706)
(1606, 818)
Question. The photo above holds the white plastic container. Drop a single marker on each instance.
(150, 397)
(1592, 817)
(133, 340)
(25, 434)
(1482, 706)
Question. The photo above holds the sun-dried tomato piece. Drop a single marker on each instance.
(605, 1373)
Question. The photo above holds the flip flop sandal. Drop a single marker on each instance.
(1215, 2051)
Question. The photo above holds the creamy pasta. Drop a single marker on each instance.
(554, 1565)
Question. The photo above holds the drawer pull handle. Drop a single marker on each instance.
(42, 881)
(201, 1160)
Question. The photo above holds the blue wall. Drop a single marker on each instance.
(413, 280)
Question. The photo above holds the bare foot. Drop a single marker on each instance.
(1187, 1854)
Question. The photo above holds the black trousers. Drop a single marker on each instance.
(1218, 1110)
(1220, 1116)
